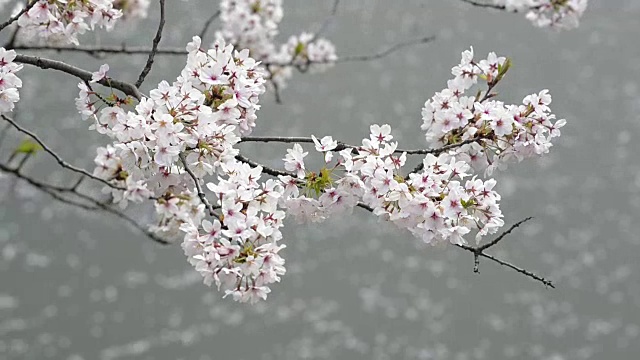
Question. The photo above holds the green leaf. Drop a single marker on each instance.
(27, 146)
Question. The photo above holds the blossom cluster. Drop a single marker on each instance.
(61, 21)
(239, 251)
(202, 113)
(559, 14)
(504, 132)
(443, 202)
(9, 82)
(254, 25)
(184, 132)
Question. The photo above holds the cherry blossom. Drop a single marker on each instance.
(9, 81)
(508, 132)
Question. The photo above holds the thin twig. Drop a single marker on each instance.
(387, 51)
(43, 63)
(105, 49)
(525, 272)
(59, 159)
(210, 20)
(499, 238)
(479, 252)
(327, 21)
(54, 191)
(154, 47)
(17, 16)
(485, 5)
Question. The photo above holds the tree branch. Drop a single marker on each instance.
(484, 5)
(54, 191)
(43, 63)
(265, 169)
(59, 159)
(154, 47)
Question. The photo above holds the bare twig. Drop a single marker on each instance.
(485, 5)
(154, 47)
(387, 51)
(479, 252)
(207, 23)
(507, 232)
(327, 21)
(43, 63)
(59, 159)
(17, 16)
(522, 271)
(55, 192)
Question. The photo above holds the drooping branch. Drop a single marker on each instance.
(17, 16)
(58, 158)
(154, 47)
(43, 63)
(56, 193)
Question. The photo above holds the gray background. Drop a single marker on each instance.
(84, 286)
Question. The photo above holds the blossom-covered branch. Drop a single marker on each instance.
(177, 147)
(44, 63)
(557, 14)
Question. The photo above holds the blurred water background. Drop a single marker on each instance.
(75, 285)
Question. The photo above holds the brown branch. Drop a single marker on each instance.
(43, 63)
(59, 159)
(154, 47)
(17, 16)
